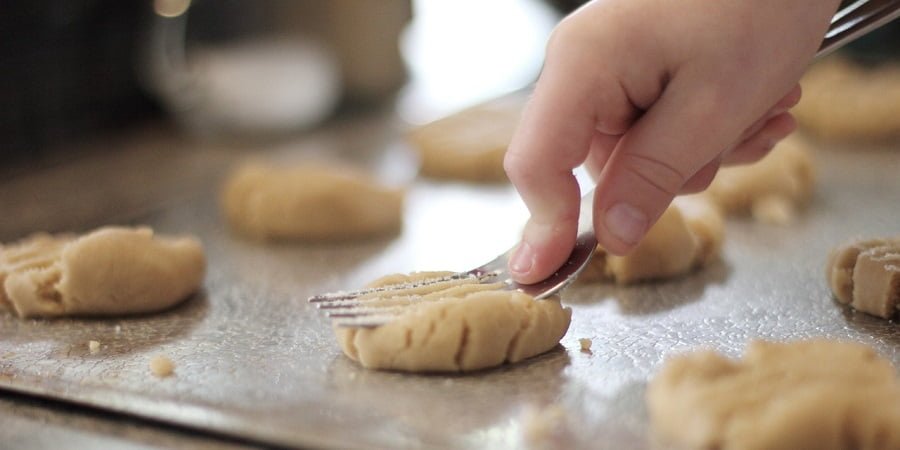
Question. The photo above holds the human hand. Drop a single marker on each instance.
(652, 96)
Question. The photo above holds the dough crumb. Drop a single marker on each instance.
(821, 394)
(161, 366)
(94, 347)
(585, 344)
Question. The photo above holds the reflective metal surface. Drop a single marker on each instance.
(254, 359)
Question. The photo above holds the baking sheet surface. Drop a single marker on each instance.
(254, 359)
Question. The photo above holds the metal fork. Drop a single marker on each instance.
(377, 306)
(358, 309)
(855, 20)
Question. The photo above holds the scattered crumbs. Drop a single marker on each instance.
(161, 366)
(94, 347)
(352, 376)
(448, 382)
(118, 329)
(585, 344)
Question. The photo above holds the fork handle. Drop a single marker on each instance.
(856, 19)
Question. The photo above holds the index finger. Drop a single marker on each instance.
(553, 138)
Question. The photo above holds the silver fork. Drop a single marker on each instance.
(352, 308)
(357, 308)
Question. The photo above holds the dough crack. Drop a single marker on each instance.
(463, 342)
(49, 288)
(513, 343)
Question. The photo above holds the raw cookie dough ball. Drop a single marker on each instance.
(110, 271)
(807, 394)
(687, 236)
(310, 202)
(842, 100)
(866, 275)
(454, 326)
(772, 189)
(469, 145)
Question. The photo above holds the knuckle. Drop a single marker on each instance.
(518, 168)
(657, 173)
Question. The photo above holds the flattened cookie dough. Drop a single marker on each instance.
(801, 395)
(469, 145)
(110, 271)
(842, 100)
(773, 189)
(866, 275)
(455, 326)
(310, 202)
(686, 237)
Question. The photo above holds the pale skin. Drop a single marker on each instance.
(652, 96)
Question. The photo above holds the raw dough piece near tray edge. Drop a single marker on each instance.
(471, 331)
(687, 236)
(309, 202)
(866, 275)
(109, 271)
(799, 395)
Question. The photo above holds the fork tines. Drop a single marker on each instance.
(377, 306)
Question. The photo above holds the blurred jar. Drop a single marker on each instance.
(241, 67)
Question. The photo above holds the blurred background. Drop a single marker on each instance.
(229, 69)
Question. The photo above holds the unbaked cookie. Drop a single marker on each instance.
(686, 237)
(866, 275)
(109, 271)
(469, 145)
(842, 100)
(807, 394)
(310, 202)
(454, 326)
(773, 189)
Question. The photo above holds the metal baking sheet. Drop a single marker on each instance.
(253, 359)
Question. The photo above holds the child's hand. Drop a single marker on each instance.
(652, 96)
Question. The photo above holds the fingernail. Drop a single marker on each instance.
(522, 259)
(627, 223)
